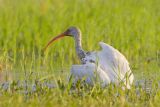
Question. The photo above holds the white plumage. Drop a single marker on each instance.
(110, 66)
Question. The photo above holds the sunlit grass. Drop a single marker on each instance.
(132, 26)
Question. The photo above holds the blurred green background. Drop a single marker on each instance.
(132, 26)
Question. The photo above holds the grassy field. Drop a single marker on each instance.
(132, 26)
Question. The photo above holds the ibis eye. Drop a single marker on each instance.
(68, 30)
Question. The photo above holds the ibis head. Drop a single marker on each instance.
(76, 34)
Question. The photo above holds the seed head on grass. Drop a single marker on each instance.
(1, 68)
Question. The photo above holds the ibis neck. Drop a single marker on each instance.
(80, 52)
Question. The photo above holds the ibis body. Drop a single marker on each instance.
(109, 65)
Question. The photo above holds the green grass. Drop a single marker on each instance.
(132, 26)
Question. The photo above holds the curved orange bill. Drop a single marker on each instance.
(54, 39)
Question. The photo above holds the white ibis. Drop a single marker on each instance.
(109, 65)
